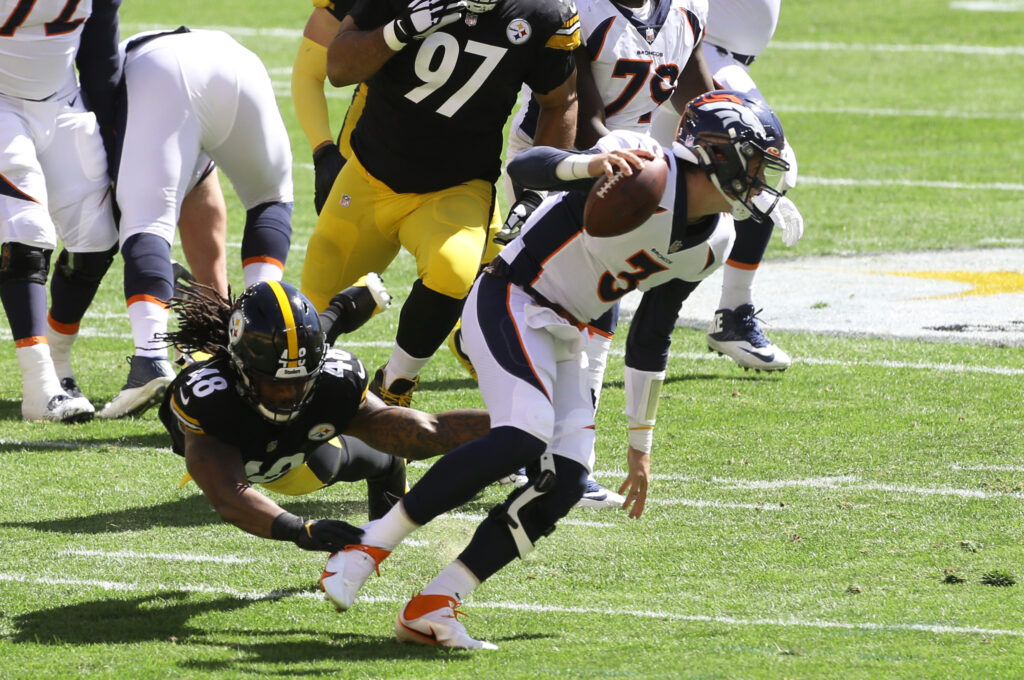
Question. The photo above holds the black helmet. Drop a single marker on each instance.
(277, 348)
(726, 134)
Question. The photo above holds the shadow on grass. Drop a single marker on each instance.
(184, 512)
(167, 617)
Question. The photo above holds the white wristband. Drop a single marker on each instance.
(391, 38)
(575, 166)
(641, 437)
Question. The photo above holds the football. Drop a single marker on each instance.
(619, 204)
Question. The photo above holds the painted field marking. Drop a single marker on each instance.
(166, 557)
(866, 626)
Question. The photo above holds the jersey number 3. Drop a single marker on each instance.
(434, 78)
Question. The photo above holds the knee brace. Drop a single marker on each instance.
(84, 268)
(19, 262)
(512, 512)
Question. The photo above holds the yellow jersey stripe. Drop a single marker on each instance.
(289, 323)
(567, 37)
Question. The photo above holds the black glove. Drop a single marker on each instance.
(329, 535)
(327, 163)
(420, 19)
(517, 216)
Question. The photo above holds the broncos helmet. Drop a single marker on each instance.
(741, 155)
(276, 347)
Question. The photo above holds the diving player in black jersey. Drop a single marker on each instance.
(442, 78)
(270, 407)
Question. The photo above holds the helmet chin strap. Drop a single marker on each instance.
(738, 209)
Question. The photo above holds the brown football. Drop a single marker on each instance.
(619, 204)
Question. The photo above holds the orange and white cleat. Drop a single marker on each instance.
(432, 620)
(347, 570)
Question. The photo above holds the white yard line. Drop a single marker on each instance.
(988, 468)
(613, 612)
(167, 557)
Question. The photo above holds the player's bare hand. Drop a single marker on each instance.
(637, 483)
(619, 160)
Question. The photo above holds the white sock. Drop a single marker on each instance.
(60, 351)
(388, 531)
(38, 378)
(455, 580)
(402, 365)
(147, 319)
(261, 271)
(737, 287)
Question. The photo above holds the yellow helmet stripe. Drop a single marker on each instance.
(289, 322)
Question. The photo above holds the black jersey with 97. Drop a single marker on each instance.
(204, 399)
(436, 111)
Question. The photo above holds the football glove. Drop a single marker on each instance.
(329, 535)
(420, 19)
(517, 216)
(327, 163)
(789, 221)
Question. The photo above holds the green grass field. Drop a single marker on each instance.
(858, 516)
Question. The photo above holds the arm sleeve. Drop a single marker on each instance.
(99, 63)
(535, 167)
(308, 75)
(650, 331)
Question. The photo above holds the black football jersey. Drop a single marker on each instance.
(204, 399)
(338, 8)
(436, 111)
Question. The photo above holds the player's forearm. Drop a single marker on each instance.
(354, 56)
(417, 435)
(247, 509)
(308, 75)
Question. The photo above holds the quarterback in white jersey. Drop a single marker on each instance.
(189, 97)
(522, 332)
(54, 185)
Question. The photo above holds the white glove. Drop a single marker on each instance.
(420, 19)
(789, 221)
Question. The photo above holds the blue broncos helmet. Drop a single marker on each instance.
(739, 144)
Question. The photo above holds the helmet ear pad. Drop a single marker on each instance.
(277, 348)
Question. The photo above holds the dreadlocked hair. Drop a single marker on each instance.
(203, 316)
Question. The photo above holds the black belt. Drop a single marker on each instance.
(745, 59)
(500, 269)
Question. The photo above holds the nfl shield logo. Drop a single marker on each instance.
(650, 35)
(471, 20)
(345, 200)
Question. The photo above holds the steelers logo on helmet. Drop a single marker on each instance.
(739, 146)
(277, 349)
(518, 31)
(236, 324)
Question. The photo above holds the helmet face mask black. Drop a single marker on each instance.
(277, 348)
(740, 154)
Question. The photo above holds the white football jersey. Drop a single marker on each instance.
(38, 43)
(743, 26)
(636, 63)
(587, 275)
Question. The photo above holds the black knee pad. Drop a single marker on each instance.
(84, 268)
(19, 262)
